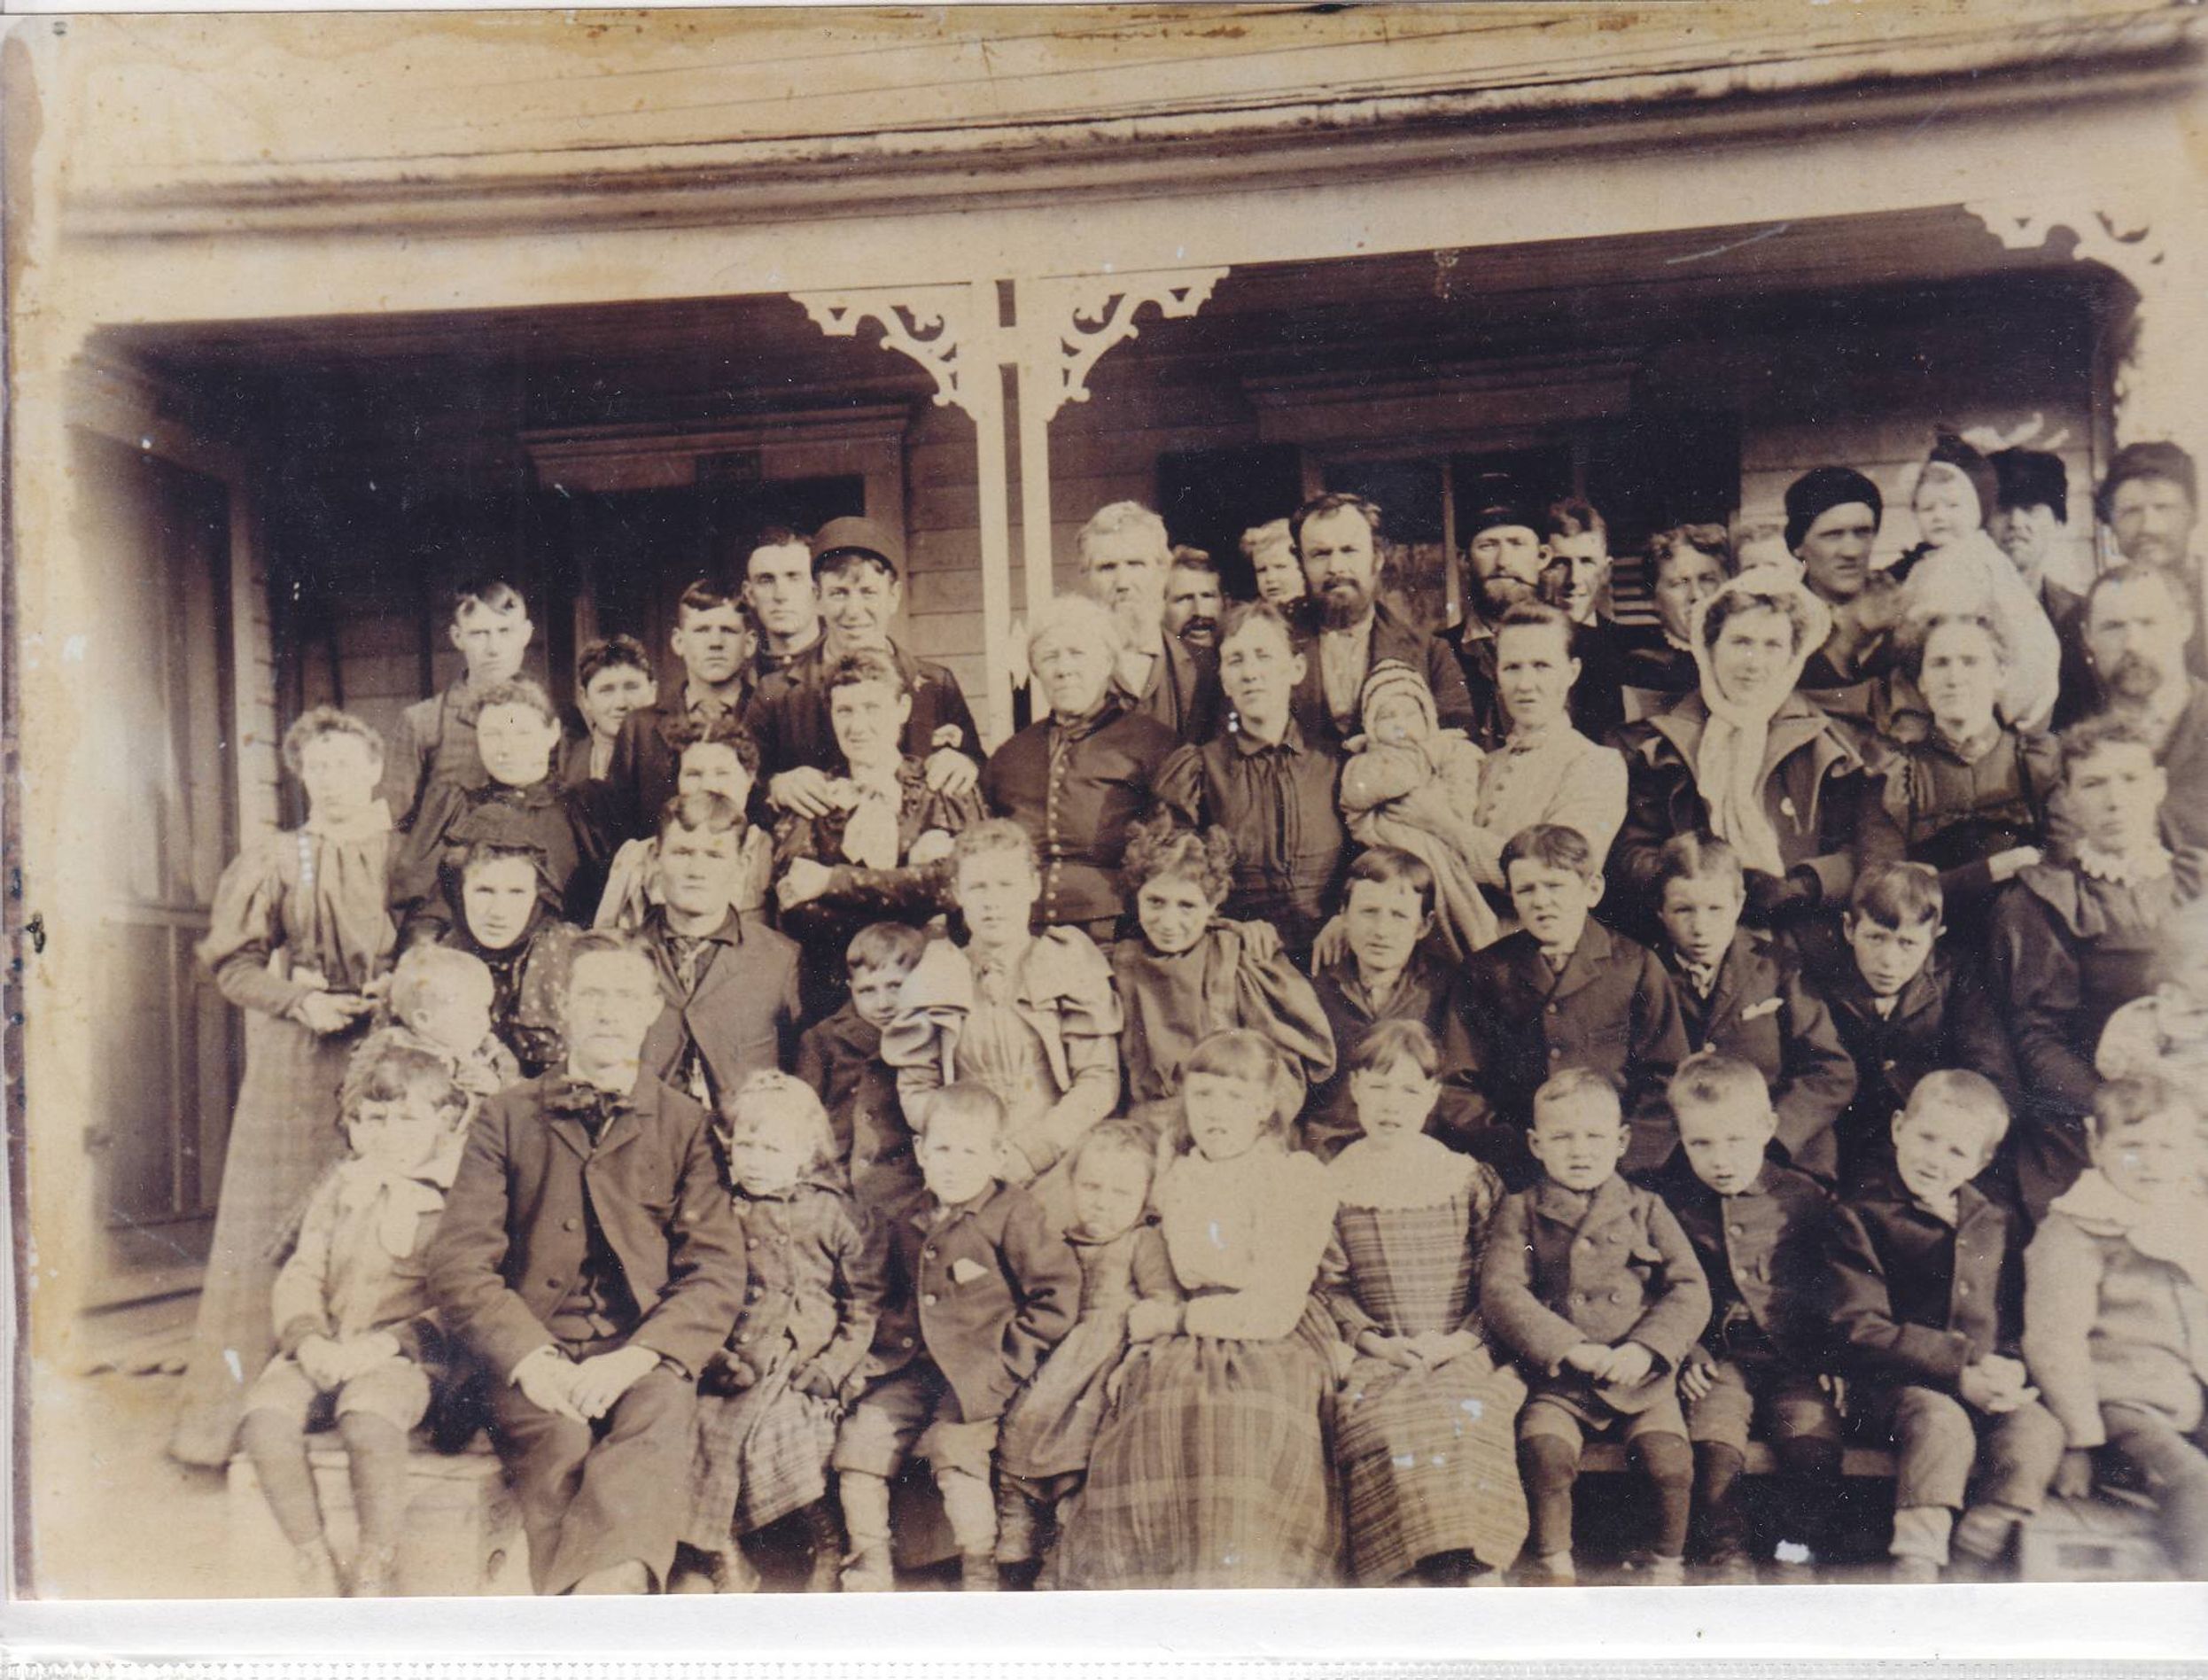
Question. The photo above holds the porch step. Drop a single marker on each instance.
(2108, 1537)
(1608, 1458)
(462, 1532)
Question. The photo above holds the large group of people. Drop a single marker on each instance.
(1261, 1122)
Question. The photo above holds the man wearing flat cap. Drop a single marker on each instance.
(857, 567)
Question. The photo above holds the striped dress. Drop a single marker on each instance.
(1211, 1469)
(1428, 1456)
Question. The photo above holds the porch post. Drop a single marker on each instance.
(2161, 382)
(950, 329)
(1066, 322)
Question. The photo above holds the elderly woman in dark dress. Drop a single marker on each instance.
(300, 933)
(1792, 789)
(1077, 778)
(881, 852)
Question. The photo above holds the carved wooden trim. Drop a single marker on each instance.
(1070, 321)
(949, 329)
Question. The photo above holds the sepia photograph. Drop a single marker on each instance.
(1022, 799)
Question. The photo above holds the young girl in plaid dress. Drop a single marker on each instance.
(1211, 1470)
(770, 1402)
(1425, 1426)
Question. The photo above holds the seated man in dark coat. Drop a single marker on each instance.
(589, 1258)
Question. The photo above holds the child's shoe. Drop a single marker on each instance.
(826, 1537)
(1552, 1570)
(375, 1573)
(1983, 1539)
(1733, 1569)
(977, 1572)
(314, 1571)
(868, 1568)
(1020, 1576)
(1661, 1572)
(1914, 1572)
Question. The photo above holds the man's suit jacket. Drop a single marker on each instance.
(513, 1237)
(745, 1013)
(1394, 637)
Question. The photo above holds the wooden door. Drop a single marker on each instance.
(161, 1108)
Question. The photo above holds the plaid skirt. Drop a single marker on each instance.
(1210, 1471)
(284, 1136)
(1429, 1463)
(756, 1456)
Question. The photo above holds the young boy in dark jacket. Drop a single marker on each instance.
(1564, 991)
(979, 1289)
(1903, 1008)
(841, 1058)
(1590, 1282)
(1927, 1281)
(1741, 993)
(1755, 1226)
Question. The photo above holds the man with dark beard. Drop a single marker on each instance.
(1352, 627)
(2137, 625)
(1194, 601)
(1506, 555)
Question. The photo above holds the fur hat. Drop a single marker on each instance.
(2033, 479)
(1820, 490)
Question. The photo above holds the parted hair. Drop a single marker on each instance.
(1708, 1078)
(995, 834)
(710, 594)
(885, 945)
(1916, 630)
(1712, 540)
(318, 721)
(1898, 895)
(1158, 845)
(1241, 615)
(1552, 844)
(723, 729)
(521, 691)
(1697, 857)
(1724, 608)
(1388, 866)
(484, 852)
(867, 665)
(607, 653)
(1393, 1042)
(963, 1099)
(1573, 517)
(701, 813)
(1333, 502)
(488, 594)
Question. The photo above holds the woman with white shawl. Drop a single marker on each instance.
(1794, 790)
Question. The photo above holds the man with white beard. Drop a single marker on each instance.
(1125, 558)
(1353, 627)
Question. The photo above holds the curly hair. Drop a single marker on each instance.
(1729, 605)
(328, 720)
(996, 834)
(1158, 845)
(1712, 540)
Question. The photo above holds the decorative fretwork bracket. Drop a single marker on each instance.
(1070, 321)
(950, 330)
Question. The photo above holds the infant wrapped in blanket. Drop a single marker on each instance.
(1413, 784)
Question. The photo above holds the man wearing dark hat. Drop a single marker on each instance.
(856, 567)
(1353, 627)
(2031, 508)
(2150, 503)
(1832, 517)
(1506, 555)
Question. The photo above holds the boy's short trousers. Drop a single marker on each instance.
(914, 1412)
(397, 1390)
(1788, 1403)
(1565, 1417)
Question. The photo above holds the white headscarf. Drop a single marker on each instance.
(1729, 764)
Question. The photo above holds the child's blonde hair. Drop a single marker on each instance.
(2136, 1097)
(769, 1098)
(1959, 1091)
(1709, 1079)
(963, 1099)
(1574, 1085)
(427, 966)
